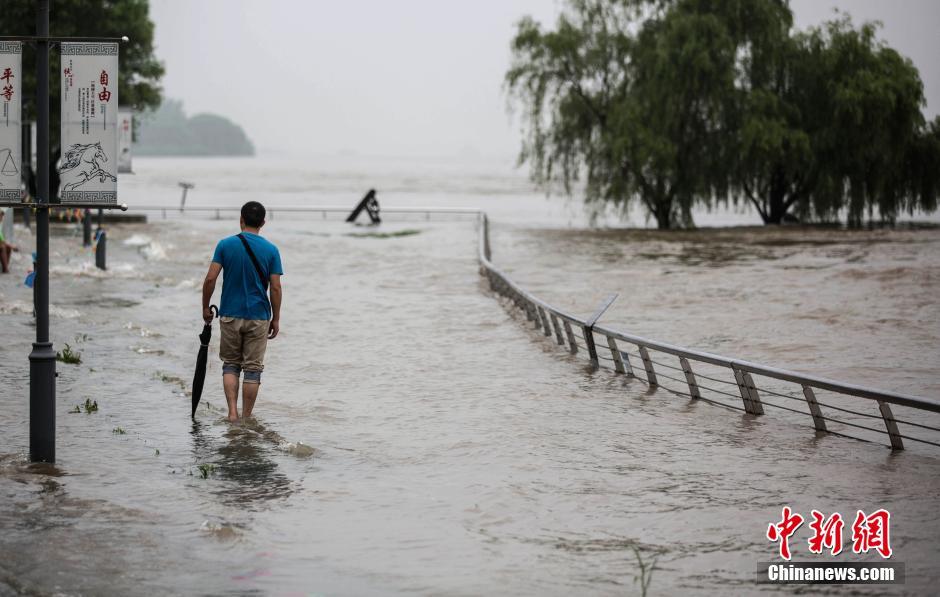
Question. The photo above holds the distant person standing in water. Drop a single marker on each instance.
(248, 319)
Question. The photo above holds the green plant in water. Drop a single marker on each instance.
(90, 407)
(69, 356)
(206, 469)
(646, 571)
(118, 431)
(156, 452)
(77, 409)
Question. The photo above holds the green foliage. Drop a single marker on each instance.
(69, 356)
(90, 407)
(205, 470)
(169, 132)
(118, 431)
(140, 72)
(675, 103)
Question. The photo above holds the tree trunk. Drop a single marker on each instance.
(663, 214)
(777, 195)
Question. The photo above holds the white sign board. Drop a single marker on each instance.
(88, 166)
(11, 134)
(125, 135)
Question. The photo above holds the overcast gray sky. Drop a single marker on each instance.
(403, 77)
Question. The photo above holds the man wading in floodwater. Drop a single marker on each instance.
(250, 264)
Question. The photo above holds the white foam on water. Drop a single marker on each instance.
(153, 252)
(89, 270)
(137, 240)
(24, 308)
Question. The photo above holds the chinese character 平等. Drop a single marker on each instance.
(7, 75)
(7, 93)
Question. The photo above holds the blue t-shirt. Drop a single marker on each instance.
(242, 293)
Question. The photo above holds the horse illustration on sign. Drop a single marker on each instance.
(81, 164)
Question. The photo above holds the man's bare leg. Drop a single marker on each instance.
(230, 385)
(249, 395)
(5, 258)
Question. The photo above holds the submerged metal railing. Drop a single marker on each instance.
(626, 349)
(273, 210)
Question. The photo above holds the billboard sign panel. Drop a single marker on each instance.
(89, 163)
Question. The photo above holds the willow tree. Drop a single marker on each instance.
(139, 70)
(626, 95)
(871, 106)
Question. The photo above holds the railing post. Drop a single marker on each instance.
(546, 329)
(588, 328)
(690, 378)
(749, 395)
(648, 365)
(891, 425)
(572, 345)
(615, 353)
(588, 333)
(558, 337)
(818, 421)
(755, 397)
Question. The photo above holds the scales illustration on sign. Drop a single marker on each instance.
(83, 163)
(8, 166)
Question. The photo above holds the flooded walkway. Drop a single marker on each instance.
(412, 437)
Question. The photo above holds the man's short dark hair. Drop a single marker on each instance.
(253, 214)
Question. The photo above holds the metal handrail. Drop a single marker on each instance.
(307, 208)
(546, 317)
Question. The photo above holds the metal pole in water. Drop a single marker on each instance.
(86, 228)
(101, 251)
(42, 358)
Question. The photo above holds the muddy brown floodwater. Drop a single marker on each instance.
(413, 436)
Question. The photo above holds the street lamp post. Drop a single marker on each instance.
(42, 372)
(42, 358)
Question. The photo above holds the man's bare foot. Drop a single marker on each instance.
(233, 418)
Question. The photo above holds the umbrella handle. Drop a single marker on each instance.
(215, 309)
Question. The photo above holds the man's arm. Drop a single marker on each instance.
(208, 287)
(275, 325)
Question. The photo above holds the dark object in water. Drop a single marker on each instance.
(199, 378)
(369, 203)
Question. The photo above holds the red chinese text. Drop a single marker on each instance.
(827, 533)
(783, 530)
(871, 532)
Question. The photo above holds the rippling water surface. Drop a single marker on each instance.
(413, 435)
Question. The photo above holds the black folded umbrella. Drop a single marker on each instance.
(199, 378)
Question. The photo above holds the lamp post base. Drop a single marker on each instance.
(42, 403)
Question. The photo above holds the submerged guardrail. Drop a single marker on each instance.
(625, 349)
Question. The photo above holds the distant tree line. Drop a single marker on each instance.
(678, 103)
(139, 72)
(168, 131)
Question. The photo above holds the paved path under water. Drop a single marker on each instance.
(454, 451)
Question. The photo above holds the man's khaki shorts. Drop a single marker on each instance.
(243, 342)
